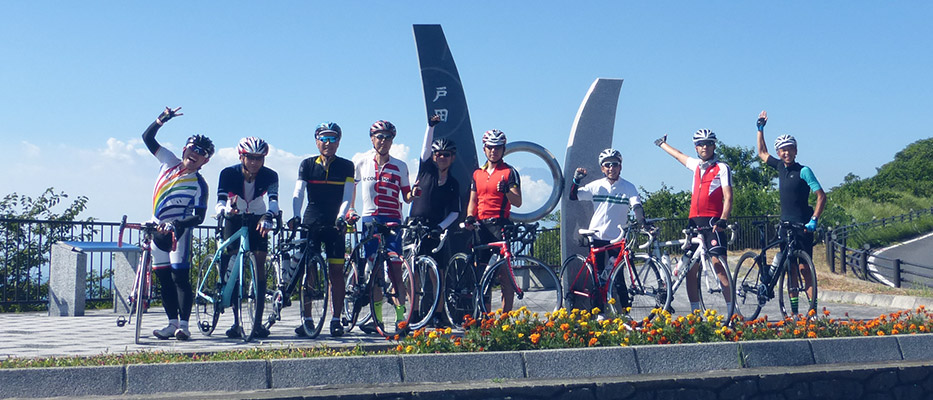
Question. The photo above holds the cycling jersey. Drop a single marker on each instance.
(176, 194)
(709, 177)
(490, 202)
(436, 201)
(611, 205)
(382, 185)
(327, 189)
(795, 182)
(249, 194)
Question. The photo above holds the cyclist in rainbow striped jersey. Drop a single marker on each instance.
(710, 206)
(795, 182)
(179, 202)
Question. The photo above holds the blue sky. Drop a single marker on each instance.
(79, 82)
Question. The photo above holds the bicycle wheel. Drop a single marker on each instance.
(355, 311)
(427, 289)
(314, 295)
(637, 289)
(459, 289)
(796, 284)
(747, 281)
(276, 300)
(535, 286)
(722, 303)
(578, 284)
(141, 294)
(249, 295)
(393, 296)
(207, 296)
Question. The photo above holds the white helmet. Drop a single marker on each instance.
(609, 153)
(494, 137)
(253, 145)
(703, 135)
(784, 141)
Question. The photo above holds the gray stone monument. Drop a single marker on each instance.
(591, 133)
(68, 275)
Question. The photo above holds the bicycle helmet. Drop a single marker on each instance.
(202, 142)
(494, 137)
(253, 145)
(327, 127)
(609, 153)
(382, 126)
(784, 141)
(704, 135)
(443, 145)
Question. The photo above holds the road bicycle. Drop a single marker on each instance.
(289, 262)
(426, 276)
(635, 283)
(141, 294)
(237, 288)
(703, 261)
(371, 280)
(517, 280)
(756, 278)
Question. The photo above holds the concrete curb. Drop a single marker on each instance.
(876, 300)
(459, 367)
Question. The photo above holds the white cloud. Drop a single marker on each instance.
(534, 193)
(30, 150)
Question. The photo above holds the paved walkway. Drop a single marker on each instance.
(39, 335)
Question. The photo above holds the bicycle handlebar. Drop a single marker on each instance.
(146, 227)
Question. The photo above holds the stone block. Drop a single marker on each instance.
(687, 357)
(304, 372)
(67, 281)
(124, 277)
(461, 367)
(855, 350)
(916, 347)
(776, 353)
(580, 363)
(54, 382)
(228, 376)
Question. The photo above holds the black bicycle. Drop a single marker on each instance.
(756, 278)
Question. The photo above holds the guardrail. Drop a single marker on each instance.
(855, 254)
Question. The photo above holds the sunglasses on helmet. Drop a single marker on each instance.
(327, 139)
(611, 164)
(199, 151)
(383, 136)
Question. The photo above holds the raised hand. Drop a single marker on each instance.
(503, 186)
(661, 140)
(762, 120)
(434, 120)
(168, 114)
(578, 175)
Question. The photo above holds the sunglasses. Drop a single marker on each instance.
(328, 139)
(494, 147)
(612, 164)
(254, 157)
(199, 151)
(705, 143)
(443, 154)
(382, 136)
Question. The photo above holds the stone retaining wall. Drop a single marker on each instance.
(574, 364)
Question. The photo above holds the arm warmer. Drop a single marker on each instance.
(149, 138)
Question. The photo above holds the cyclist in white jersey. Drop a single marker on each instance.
(179, 202)
(385, 184)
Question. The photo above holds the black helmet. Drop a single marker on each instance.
(202, 142)
(444, 144)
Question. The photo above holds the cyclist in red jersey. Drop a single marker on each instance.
(496, 187)
(710, 205)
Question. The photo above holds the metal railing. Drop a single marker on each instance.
(855, 254)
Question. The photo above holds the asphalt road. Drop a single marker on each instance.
(916, 262)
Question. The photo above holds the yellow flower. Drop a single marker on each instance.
(612, 301)
(535, 315)
(409, 349)
(505, 328)
(521, 335)
(583, 324)
(448, 331)
(595, 310)
(432, 335)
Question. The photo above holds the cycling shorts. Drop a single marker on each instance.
(176, 259)
(716, 241)
(804, 239)
(393, 242)
(257, 242)
(335, 245)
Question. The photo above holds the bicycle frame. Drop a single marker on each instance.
(790, 242)
(691, 236)
(226, 295)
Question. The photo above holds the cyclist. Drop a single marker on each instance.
(710, 205)
(384, 180)
(612, 199)
(241, 190)
(495, 188)
(436, 193)
(795, 182)
(328, 181)
(179, 202)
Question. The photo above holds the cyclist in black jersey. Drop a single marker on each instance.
(179, 202)
(795, 182)
(328, 182)
(436, 194)
(241, 190)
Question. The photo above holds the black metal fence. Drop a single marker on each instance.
(849, 250)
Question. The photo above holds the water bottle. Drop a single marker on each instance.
(666, 258)
(492, 260)
(684, 261)
(604, 275)
(775, 264)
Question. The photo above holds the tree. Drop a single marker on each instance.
(27, 245)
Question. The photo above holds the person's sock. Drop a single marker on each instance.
(794, 304)
(377, 308)
(399, 313)
(183, 324)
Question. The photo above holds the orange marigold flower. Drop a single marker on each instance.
(825, 311)
(811, 334)
(403, 324)
(566, 336)
(535, 338)
(565, 326)
(693, 331)
(549, 324)
(593, 342)
(880, 333)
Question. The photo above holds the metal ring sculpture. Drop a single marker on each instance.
(556, 174)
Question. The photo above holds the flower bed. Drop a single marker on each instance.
(523, 330)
